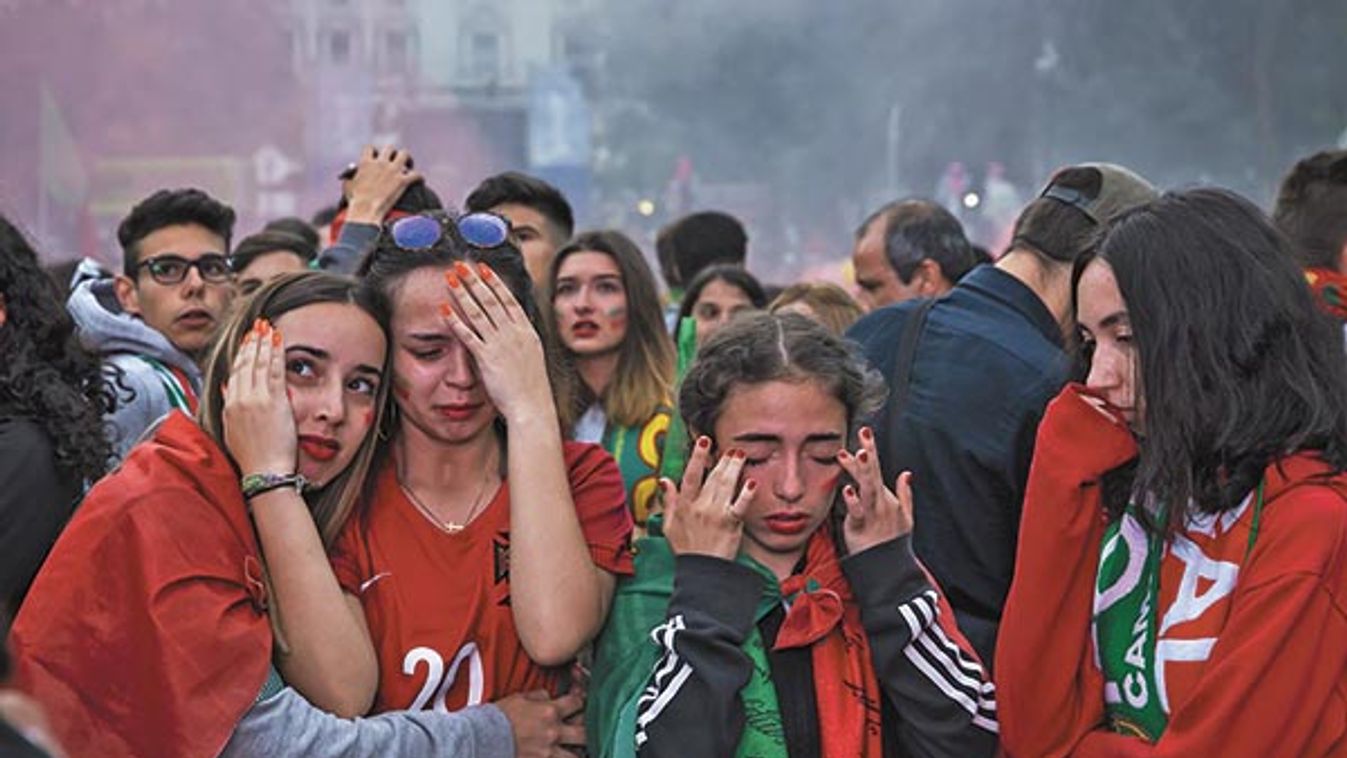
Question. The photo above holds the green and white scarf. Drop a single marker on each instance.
(1125, 615)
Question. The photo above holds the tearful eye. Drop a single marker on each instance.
(299, 367)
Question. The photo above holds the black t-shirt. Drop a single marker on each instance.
(36, 500)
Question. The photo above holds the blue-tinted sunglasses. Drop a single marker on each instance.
(483, 231)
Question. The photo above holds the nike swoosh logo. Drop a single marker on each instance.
(370, 581)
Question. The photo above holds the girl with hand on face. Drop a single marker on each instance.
(487, 555)
(788, 614)
(1182, 567)
(153, 625)
(617, 362)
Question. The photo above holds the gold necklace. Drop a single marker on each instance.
(448, 527)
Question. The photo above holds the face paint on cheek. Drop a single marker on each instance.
(829, 482)
(616, 311)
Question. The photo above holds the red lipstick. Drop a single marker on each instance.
(458, 411)
(321, 449)
(789, 523)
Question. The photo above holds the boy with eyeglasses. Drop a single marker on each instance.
(154, 321)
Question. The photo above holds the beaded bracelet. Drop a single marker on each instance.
(255, 484)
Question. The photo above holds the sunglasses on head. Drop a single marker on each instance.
(172, 269)
(483, 231)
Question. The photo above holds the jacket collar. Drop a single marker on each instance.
(996, 284)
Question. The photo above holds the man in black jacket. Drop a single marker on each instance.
(987, 361)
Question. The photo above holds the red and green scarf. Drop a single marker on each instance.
(822, 615)
(1330, 290)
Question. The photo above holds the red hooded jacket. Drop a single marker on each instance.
(145, 633)
(1255, 663)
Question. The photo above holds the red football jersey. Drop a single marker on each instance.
(438, 604)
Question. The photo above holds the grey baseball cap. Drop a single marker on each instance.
(1120, 189)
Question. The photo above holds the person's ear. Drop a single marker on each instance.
(931, 278)
(127, 296)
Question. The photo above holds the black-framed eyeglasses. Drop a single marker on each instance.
(172, 269)
(481, 230)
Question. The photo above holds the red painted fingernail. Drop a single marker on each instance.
(462, 269)
(485, 271)
(703, 442)
(849, 490)
(750, 484)
(450, 277)
(740, 454)
(866, 434)
(863, 456)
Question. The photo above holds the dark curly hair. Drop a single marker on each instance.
(780, 347)
(768, 347)
(46, 375)
(170, 208)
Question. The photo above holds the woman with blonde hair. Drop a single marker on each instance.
(617, 361)
(823, 302)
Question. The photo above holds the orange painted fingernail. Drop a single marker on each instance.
(462, 269)
(276, 337)
(453, 280)
(446, 311)
(485, 271)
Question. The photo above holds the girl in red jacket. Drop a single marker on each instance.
(1182, 573)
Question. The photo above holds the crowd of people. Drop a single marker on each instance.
(405, 480)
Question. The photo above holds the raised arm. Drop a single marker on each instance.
(328, 654)
(945, 704)
(559, 597)
(1050, 692)
(691, 703)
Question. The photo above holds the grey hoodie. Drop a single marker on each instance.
(124, 341)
